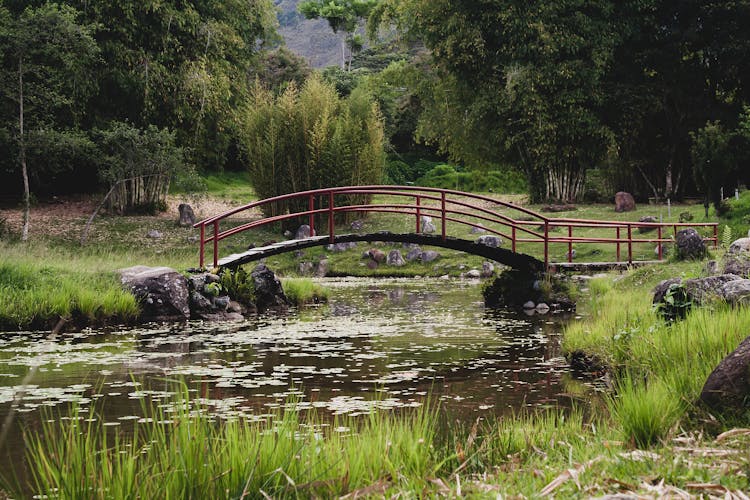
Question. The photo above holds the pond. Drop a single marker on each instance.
(383, 344)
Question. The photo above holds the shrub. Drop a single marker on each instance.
(450, 177)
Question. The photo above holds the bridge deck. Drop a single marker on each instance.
(503, 256)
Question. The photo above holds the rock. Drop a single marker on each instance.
(305, 268)
(737, 259)
(357, 225)
(154, 234)
(197, 282)
(414, 254)
(572, 254)
(341, 247)
(288, 234)
(647, 229)
(372, 265)
(268, 291)
(542, 308)
(712, 268)
(478, 230)
(699, 290)
(395, 259)
(427, 225)
(737, 292)
(321, 268)
(474, 274)
(199, 304)
(193, 238)
(690, 244)
(212, 278)
(728, 386)
(529, 305)
(162, 292)
(429, 256)
(377, 255)
(235, 307)
(302, 232)
(488, 269)
(624, 202)
(187, 216)
(221, 303)
(490, 241)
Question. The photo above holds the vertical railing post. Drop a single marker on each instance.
(546, 244)
(660, 249)
(716, 236)
(630, 244)
(513, 238)
(618, 243)
(331, 236)
(419, 214)
(570, 243)
(442, 210)
(216, 243)
(203, 245)
(311, 208)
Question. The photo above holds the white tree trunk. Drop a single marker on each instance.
(22, 156)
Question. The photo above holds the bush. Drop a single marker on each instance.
(498, 181)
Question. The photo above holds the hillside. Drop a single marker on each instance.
(312, 39)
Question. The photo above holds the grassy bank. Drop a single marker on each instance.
(38, 288)
(657, 368)
(303, 456)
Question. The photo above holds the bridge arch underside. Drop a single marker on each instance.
(518, 261)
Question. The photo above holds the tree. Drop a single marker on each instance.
(52, 54)
(343, 17)
(516, 82)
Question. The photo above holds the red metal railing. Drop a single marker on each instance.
(493, 216)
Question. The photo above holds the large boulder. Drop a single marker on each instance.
(187, 216)
(414, 254)
(303, 232)
(737, 292)
(268, 291)
(690, 244)
(429, 256)
(161, 291)
(624, 202)
(377, 255)
(737, 258)
(699, 290)
(728, 386)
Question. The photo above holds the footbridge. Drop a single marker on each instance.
(525, 234)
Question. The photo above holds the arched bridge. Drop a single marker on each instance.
(515, 225)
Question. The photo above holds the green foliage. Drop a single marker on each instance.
(310, 138)
(238, 285)
(149, 157)
(676, 303)
(496, 181)
(726, 237)
(712, 161)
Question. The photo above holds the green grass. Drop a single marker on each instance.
(231, 186)
(35, 293)
(187, 454)
(658, 368)
(304, 291)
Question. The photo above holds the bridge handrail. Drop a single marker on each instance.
(440, 196)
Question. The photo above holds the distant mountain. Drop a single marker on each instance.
(312, 39)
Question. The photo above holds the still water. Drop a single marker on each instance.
(377, 344)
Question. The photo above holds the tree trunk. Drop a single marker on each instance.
(22, 156)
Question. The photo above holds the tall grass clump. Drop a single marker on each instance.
(310, 138)
(36, 293)
(195, 456)
(304, 291)
(645, 410)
